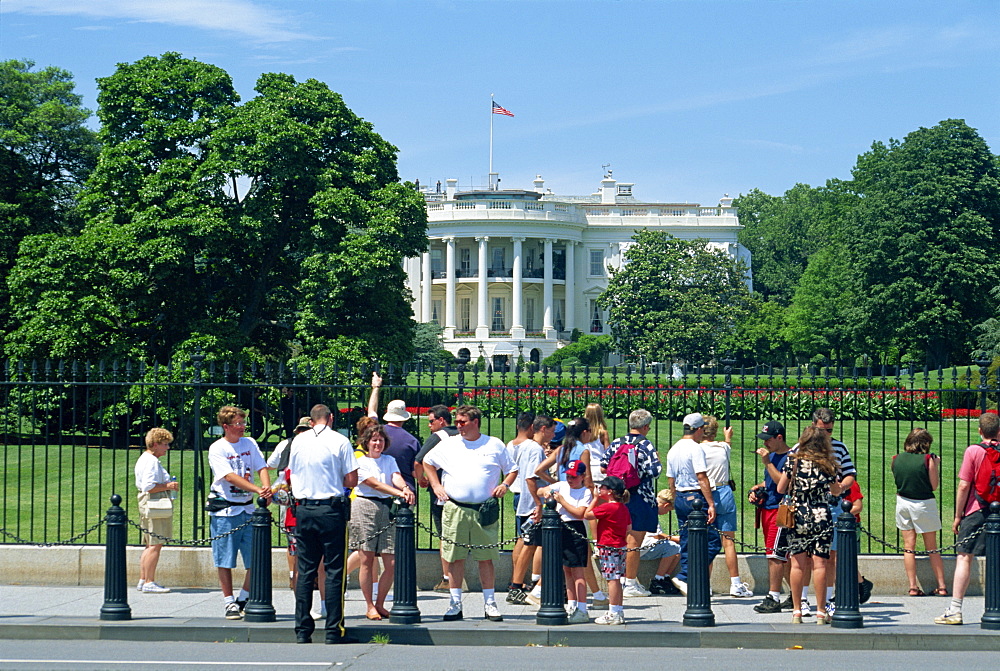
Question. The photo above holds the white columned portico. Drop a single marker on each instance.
(547, 302)
(425, 289)
(483, 326)
(449, 302)
(517, 326)
(569, 320)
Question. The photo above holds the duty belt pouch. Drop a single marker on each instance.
(489, 511)
(345, 507)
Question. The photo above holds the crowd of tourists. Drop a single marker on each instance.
(604, 489)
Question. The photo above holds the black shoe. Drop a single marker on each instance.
(768, 605)
(662, 586)
(865, 589)
(517, 596)
(242, 604)
(303, 639)
(339, 640)
(787, 603)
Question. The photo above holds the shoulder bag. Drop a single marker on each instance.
(786, 509)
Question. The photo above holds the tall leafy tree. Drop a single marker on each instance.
(820, 319)
(674, 298)
(267, 229)
(925, 241)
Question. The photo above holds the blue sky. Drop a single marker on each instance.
(688, 99)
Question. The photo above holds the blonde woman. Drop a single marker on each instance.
(599, 439)
(154, 484)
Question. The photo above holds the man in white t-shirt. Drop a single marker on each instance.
(530, 454)
(234, 459)
(687, 475)
(472, 464)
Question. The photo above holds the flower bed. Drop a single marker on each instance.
(963, 413)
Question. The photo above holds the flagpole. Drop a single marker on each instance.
(491, 135)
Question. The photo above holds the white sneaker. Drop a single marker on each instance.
(534, 596)
(681, 586)
(578, 617)
(454, 611)
(806, 609)
(635, 590)
(740, 590)
(138, 588)
(610, 618)
(492, 613)
(153, 588)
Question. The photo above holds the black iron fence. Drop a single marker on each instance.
(71, 431)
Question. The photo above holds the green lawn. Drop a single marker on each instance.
(53, 492)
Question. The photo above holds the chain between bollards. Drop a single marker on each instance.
(552, 610)
(991, 616)
(115, 588)
(699, 602)
(404, 602)
(259, 607)
(848, 613)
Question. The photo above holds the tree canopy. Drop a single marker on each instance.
(674, 298)
(272, 228)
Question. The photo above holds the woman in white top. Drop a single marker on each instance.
(717, 459)
(379, 480)
(154, 484)
(600, 440)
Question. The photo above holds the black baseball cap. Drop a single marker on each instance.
(772, 429)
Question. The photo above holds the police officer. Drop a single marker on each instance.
(323, 468)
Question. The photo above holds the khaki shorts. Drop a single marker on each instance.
(163, 527)
(921, 516)
(461, 525)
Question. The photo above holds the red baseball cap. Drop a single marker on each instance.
(576, 467)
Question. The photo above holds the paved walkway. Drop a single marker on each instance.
(903, 622)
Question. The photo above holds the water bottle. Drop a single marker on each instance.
(173, 492)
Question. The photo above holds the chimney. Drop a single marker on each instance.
(539, 184)
(451, 188)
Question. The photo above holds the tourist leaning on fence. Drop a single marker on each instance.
(614, 523)
(154, 483)
(372, 527)
(975, 489)
(572, 497)
(917, 472)
(717, 457)
(439, 423)
(472, 464)
(234, 459)
(573, 448)
(530, 454)
(766, 497)
(810, 476)
(523, 424)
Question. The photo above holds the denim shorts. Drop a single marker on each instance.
(725, 508)
(224, 549)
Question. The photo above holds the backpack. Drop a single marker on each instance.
(623, 463)
(987, 482)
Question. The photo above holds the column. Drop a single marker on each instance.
(547, 304)
(517, 323)
(425, 289)
(449, 302)
(569, 320)
(482, 325)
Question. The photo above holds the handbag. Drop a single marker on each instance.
(786, 509)
(159, 508)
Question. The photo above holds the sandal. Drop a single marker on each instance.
(940, 591)
(916, 591)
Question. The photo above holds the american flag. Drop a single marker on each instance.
(497, 109)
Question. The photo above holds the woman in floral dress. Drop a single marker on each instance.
(810, 475)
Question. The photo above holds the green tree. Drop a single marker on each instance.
(674, 298)
(759, 337)
(427, 347)
(46, 152)
(820, 319)
(267, 229)
(588, 350)
(925, 241)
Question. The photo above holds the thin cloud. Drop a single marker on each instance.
(242, 17)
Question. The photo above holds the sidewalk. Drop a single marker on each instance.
(196, 615)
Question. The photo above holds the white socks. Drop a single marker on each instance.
(489, 595)
(600, 595)
(456, 594)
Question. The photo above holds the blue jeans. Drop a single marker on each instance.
(683, 508)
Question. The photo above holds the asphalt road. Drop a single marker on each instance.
(118, 655)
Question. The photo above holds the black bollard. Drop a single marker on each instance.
(991, 616)
(848, 614)
(259, 607)
(404, 601)
(699, 598)
(115, 590)
(552, 610)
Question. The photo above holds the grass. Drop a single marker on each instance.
(381, 639)
(52, 492)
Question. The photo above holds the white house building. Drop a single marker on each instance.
(511, 273)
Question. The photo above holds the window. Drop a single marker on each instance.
(596, 318)
(437, 263)
(436, 312)
(465, 260)
(529, 314)
(560, 311)
(465, 318)
(497, 315)
(596, 263)
(498, 258)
